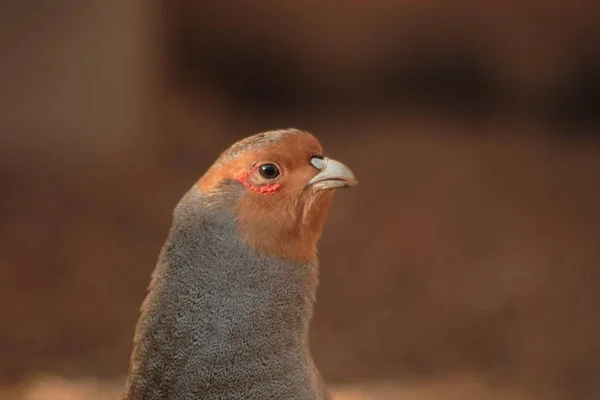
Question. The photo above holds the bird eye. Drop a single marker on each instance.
(268, 171)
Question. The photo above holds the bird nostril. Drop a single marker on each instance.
(318, 162)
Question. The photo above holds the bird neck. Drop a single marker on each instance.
(242, 302)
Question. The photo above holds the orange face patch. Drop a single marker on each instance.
(278, 217)
(292, 153)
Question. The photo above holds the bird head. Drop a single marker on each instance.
(280, 186)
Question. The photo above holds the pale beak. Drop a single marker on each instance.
(333, 174)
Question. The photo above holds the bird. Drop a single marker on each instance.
(230, 301)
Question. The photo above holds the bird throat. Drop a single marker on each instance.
(290, 231)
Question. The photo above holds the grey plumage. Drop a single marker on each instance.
(221, 321)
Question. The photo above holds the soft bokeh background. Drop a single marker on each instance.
(464, 266)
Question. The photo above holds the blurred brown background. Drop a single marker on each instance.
(464, 266)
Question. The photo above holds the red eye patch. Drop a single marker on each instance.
(263, 189)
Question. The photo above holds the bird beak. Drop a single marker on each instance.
(333, 174)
